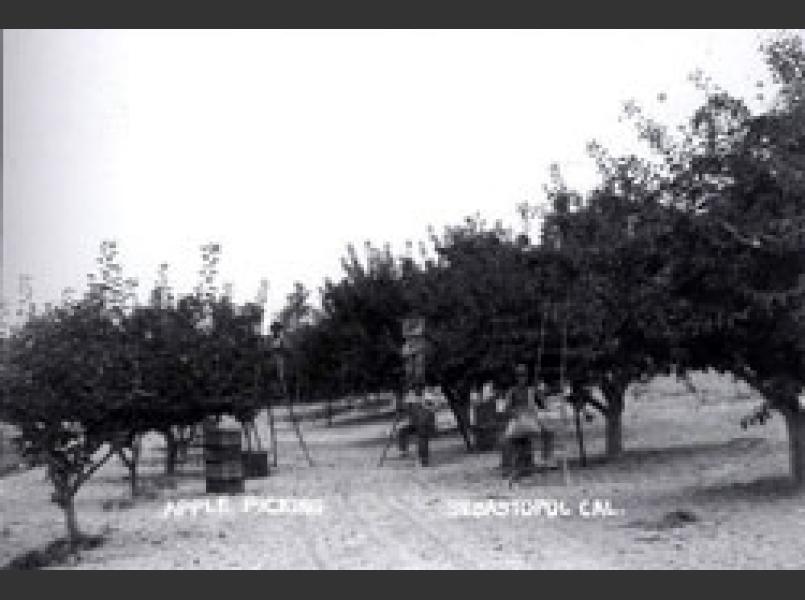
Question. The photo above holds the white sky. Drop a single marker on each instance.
(286, 145)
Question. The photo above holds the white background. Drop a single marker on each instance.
(286, 145)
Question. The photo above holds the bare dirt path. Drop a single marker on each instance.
(681, 457)
(396, 516)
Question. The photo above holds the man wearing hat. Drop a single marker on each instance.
(421, 404)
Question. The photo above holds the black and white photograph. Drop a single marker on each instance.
(402, 299)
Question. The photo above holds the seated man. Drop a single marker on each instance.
(550, 420)
(523, 424)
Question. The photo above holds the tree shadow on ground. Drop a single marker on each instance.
(10, 469)
(361, 419)
(672, 460)
(382, 438)
(643, 458)
(56, 553)
(375, 441)
(630, 460)
(148, 480)
(762, 489)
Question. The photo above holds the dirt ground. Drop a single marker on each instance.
(693, 490)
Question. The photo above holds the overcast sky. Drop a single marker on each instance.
(286, 145)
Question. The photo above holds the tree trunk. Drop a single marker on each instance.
(171, 450)
(133, 478)
(615, 395)
(244, 426)
(580, 438)
(70, 520)
(614, 433)
(273, 433)
(131, 466)
(183, 443)
(795, 422)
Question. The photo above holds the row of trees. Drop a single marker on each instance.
(689, 258)
(691, 261)
(85, 379)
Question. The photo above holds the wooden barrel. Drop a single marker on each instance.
(423, 421)
(223, 464)
(486, 438)
(221, 454)
(423, 450)
(255, 463)
(517, 454)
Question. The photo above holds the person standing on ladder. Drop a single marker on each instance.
(419, 405)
